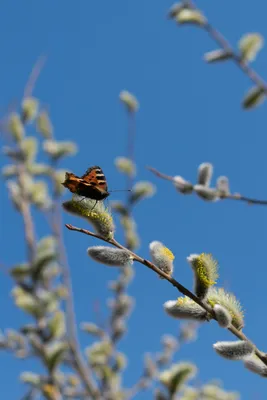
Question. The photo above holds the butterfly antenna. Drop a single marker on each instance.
(120, 190)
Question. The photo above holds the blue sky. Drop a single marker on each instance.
(190, 113)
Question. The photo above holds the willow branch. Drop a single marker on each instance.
(79, 362)
(225, 45)
(240, 335)
(25, 210)
(235, 196)
(131, 146)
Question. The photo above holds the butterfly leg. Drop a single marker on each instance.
(94, 205)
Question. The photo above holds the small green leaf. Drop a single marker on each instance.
(217, 55)
(249, 46)
(189, 16)
(44, 125)
(254, 97)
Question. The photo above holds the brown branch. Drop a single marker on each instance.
(240, 335)
(236, 58)
(235, 196)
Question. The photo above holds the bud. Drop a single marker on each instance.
(205, 271)
(59, 177)
(119, 207)
(169, 342)
(162, 257)
(222, 186)
(228, 301)
(175, 9)
(57, 325)
(29, 109)
(56, 149)
(92, 329)
(185, 308)
(29, 147)
(40, 196)
(217, 55)
(175, 377)
(254, 364)
(94, 213)
(129, 100)
(223, 316)
(249, 45)
(15, 127)
(237, 350)
(54, 354)
(253, 98)
(188, 16)
(31, 378)
(206, 193)
(110, 256)
(39, 169)
(10, 171)
(205, 171)
(142, 190)
(44, 126)
(125, 166)
(99, 352)
(182, 185)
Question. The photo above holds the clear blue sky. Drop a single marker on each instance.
(190, 113)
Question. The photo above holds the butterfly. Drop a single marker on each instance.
(92, 184)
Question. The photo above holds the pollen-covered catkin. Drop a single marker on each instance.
(162, 257)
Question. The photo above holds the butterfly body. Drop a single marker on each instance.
(92, 184)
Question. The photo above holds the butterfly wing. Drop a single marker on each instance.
(71, 182)
(95, 177)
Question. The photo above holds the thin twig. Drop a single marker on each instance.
(240, 335)
(37, 68)
(235, 196)
(236, 58)
(130, 147)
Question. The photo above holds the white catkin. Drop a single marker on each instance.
(223, 316)
(254, 364)
(205, 171)
(237, 350)
(191, 310)
(110, 256)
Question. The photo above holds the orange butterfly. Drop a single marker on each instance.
(92, 184)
